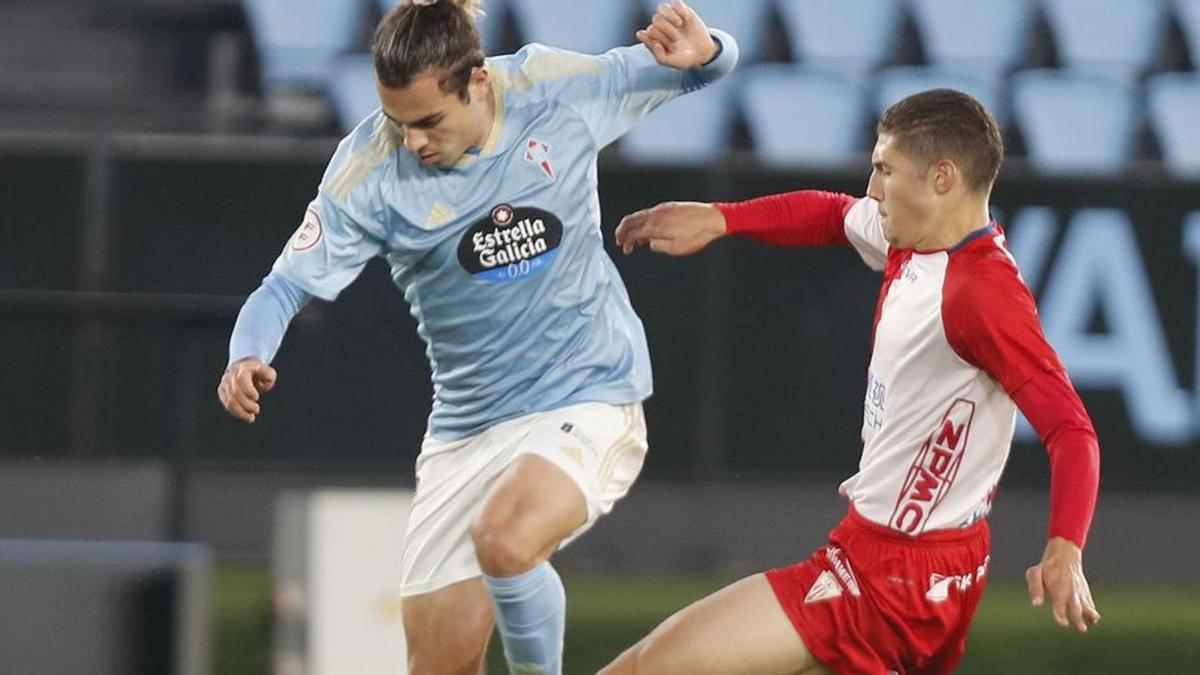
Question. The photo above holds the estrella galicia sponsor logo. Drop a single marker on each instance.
(512, 243)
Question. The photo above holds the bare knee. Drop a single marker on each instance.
(502, 548)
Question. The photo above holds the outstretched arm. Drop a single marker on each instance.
(803, 218)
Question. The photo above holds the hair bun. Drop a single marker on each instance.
(473, 8)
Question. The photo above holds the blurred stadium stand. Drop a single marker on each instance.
(983, 38)
(1115, 38)
(817, 31)
(300, 68)
(828, 107)
(589, 27)
(898, 82)
(1075, 122)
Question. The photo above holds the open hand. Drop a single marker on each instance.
(674, 228)
(1060, 575)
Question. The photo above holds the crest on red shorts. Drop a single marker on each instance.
(826, 587)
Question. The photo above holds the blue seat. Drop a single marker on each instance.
(690, 129)
(1188, 13)
(1118, 38)
(352, 89)
(1173, 109)
(802, 117)
(820, 32)
(587, 27)
(298, 42)
(1075, 123)
(490, 24)
(745, 20)
(898, 82)
(982, 37)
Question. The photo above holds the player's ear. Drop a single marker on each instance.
(477, 85)
(945, 176)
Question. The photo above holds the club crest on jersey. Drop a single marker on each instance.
(538, 153)
(309, 233)
(933, 471)
(510, 244)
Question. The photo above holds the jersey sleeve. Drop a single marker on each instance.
(864, 230)
(801, 218)
(327, 251)
(264, 318)
(332, 245)
(991, 321)
(612, 91)
(1056, 413)
(810, 218)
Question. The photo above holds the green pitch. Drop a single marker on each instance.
(1151, 630)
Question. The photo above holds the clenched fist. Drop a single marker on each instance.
(242, 385)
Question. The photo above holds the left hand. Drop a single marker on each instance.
(678, 37)
(1060, 574)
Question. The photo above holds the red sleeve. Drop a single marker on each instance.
(1055, 411)
(804, 218)
(991, 321)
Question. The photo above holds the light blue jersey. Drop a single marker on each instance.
(501, 258)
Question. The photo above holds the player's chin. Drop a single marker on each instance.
(447, 161)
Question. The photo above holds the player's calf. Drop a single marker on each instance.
(446, 631)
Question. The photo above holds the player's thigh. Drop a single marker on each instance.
(590, 455)
(447, 630)
(534, 500)
(741, 629)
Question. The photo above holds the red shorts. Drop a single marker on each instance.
(878, 601)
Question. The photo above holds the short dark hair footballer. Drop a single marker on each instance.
(417, 36)
(944, 123)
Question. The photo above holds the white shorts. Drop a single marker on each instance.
(600, 446)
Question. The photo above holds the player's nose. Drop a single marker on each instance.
(874, 189)
(414, 141)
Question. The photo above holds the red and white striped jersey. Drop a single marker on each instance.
(955, 330)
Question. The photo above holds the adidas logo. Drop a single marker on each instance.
(439, 215)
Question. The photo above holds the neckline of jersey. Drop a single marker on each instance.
(990, 228)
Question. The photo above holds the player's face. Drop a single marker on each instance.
(438, 127)
(904, 192)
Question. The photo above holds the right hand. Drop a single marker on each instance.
(674, 228)
(241, 386)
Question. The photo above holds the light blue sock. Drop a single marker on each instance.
(531, 612)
